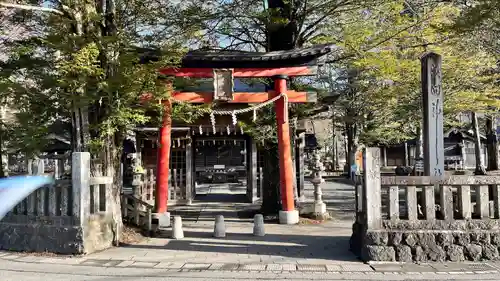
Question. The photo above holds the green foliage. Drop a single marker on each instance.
(87, 61)
(82, 59)
(384, 96)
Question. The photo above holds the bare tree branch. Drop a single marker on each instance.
(31, 8)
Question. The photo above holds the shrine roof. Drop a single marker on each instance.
(308, 56)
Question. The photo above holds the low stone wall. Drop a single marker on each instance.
(70, 217)
(56, 235)
(462, 241)
(38, 234)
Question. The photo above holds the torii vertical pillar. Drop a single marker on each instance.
(433, 133)
(288, 214)
(162, 168)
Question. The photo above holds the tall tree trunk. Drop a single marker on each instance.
(480, 170)
(4, 169)
(352, 144)
(335, 157)
(419, 150)
(115, 142)
(491, 144)
(293, 140)
(351, 147)
(271, 202)
(279, 38)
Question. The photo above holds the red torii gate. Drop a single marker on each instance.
(276, 65)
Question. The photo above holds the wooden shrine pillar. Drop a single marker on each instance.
(300, 165)
(252, 167)
(163, 164)
(288, 215)
(189, 172)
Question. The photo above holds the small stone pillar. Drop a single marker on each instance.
(258, 225)
(177, 232)
(220, 227)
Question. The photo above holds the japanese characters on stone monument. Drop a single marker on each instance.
(432, 95)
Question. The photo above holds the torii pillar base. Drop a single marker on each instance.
(163, 220)
(289, 217)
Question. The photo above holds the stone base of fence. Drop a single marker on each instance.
(67, 218)
(40, 237)
(425, 245)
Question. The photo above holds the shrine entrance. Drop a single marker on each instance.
(217, 75)
(220, 168)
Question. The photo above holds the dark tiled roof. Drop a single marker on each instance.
(228, 59)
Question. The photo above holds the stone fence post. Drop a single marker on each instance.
(80, 181)
(38, 166)
(372, 188)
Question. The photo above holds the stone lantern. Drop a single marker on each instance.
(319, 208)
(137, 173)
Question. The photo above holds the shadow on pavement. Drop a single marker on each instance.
(292, 246)
(330, 243)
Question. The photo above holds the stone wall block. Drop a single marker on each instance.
(378, 253)
(395, 238)
(435, 253)
(403, 253)
(377, 238)
(490, 252)
(455, 253)
(410, 239)
(444, 239)
(420, 254)
(482, 238)
(427, 246)
(474, 252)
(495, 238)
(426, 239)
(384, 239)
(462, 239)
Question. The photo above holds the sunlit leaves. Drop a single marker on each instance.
(56, 68)
(389, 75)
